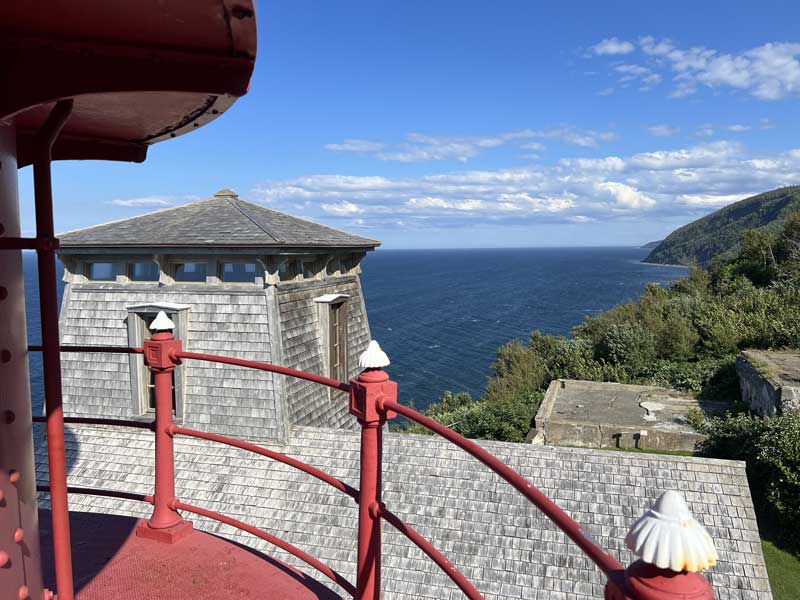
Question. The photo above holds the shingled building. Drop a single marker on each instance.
(245, 281)
(237, 279)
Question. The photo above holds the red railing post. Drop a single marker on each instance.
(165, 524)
(51, 356)
(367, 394)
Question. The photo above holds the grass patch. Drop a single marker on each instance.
(784, 571)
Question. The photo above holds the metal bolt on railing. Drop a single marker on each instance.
(673, 548)
(165, 524)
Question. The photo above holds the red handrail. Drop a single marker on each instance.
(262, 366)
(384, 405)
(98, 421)
(95, 349)
(275, 541)
(287, 460)
(555, 513)
(449, 568)
(98, 492)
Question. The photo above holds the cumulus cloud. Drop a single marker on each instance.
(145, 202)
(768, 72)
(342, 208)
(644, 185)
(663, 130)
(624, 195)
(612, 47)
(418, 147)
(355, 145)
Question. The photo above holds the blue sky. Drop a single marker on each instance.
(477, 124)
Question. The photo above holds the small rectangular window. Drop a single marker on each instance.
(191, 271)
(143, 271)
(147, 377)
(102, 271)
(337, 339)
(239, 272)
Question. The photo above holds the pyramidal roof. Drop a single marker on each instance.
(223, 220)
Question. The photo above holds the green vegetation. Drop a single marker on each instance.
(784, 571)
(719, 234)
(684, 337)
(771, 448)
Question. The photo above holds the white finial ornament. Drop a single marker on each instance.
(669, 537)
(162, 322)
(373, 357)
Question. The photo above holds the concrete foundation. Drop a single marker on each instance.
(770, 381)
(612, 415)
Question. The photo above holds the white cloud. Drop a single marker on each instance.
(356, 145)
(419, 147)
(738, 128)
(342, 208)
(625, 195)
(663, 130)
(768, 72)
(705, 131)
(145, 202)
(533, 146)
(658, 184)
(612, 47)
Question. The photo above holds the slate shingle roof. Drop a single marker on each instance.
(223, 220)
(499, 540)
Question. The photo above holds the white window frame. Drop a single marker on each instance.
(326, 304)
(139, 373)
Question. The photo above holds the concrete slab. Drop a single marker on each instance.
(608, 415)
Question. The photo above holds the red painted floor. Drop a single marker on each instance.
(110, 562)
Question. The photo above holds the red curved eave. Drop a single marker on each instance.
(139, 71)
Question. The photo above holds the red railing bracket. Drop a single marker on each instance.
(367, 394)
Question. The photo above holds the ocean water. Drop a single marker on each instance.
(440, 315)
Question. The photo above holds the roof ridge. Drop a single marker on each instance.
(252, 220)
(147, 214)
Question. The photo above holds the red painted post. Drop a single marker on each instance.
(165, 524)
(51, 353)
(367, 394)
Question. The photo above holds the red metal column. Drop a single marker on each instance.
(367, 394)
(165, 524)
(20, 561)
(51, 353)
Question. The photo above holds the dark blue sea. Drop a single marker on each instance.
(440, 315)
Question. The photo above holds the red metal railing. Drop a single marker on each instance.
(373, 400)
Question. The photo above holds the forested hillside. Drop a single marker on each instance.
(720, 233)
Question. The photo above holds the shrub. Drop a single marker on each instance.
(508, 420)
(518, 372)
(629, 345)
(771, 448)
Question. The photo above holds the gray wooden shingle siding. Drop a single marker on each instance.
(308, 403)
(501, 542)
(229, 400)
